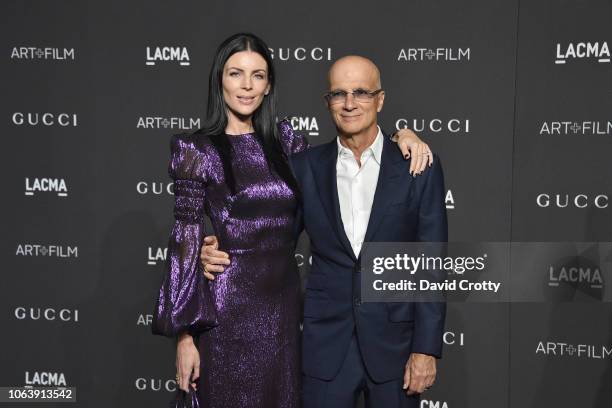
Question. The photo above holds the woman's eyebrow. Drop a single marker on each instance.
(240, 69)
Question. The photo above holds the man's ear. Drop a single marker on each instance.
(381, 101)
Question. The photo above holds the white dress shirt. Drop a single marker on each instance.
(356, 187)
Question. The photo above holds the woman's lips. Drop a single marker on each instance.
(246, 100)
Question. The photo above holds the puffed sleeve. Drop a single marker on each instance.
(185, 302)
(292, 142)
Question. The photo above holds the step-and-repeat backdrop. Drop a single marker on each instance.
(515, 97)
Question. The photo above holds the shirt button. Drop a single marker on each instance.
(357, 302)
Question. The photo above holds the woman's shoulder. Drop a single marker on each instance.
(198, 142)
(291, 141)
(189, 155)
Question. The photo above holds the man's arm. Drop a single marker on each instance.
(433, 227)
(420, 372)
(298, 224)
(213, 260)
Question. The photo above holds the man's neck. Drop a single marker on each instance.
(358, 143)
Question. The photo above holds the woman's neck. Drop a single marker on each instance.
(238, 125)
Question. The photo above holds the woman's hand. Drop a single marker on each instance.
(187, 362)
(412, 146)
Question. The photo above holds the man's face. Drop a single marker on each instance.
(354, 115)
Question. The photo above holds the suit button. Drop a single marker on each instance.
(357, 302)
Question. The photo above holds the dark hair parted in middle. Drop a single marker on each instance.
(264, 117)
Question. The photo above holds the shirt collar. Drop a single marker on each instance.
(375, 148)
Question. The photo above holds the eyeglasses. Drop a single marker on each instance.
(360, 95)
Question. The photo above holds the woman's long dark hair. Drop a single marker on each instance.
(264, 117)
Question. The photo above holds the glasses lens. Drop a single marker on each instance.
(337, 97)
(362, 95)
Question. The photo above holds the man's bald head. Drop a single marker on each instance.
(353, 68)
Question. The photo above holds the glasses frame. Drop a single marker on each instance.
(371, 95)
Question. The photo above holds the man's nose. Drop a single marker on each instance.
(349, 102)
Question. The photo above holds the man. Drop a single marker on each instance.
(355, 190)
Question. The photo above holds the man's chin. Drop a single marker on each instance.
(350, 128)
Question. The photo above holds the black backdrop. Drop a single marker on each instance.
(515, 97)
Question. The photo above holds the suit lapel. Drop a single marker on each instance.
(392, 165)
(324, 170)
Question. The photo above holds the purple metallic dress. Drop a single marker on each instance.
(247, 319)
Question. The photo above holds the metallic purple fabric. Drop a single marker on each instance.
(248, 318)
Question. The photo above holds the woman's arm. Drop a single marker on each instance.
(412, 146)
(185, 303)
(408, 142)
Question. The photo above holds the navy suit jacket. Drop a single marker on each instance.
(405, 209)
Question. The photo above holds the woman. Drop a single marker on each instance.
(243, 329)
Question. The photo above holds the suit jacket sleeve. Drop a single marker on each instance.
(298, 225)
(433, 227)
(293, 143)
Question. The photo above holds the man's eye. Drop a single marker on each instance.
(338, 94)
(360, 92)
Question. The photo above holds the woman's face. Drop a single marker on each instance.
(245, 82)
